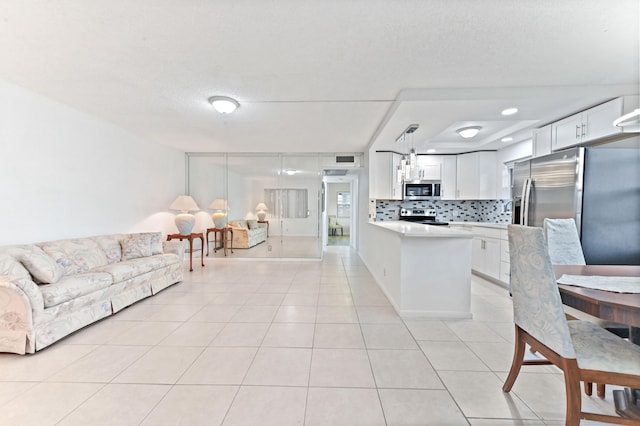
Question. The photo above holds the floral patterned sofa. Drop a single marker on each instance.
(248, 233)
(49, 290)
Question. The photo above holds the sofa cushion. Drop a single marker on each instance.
(252, 224)
(74, 286)
(135, 247)
(42, 266)
(110, 244)
(132, 268)
(75, 255)
(239, 224)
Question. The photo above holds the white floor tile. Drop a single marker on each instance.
(452, 356)
(193, 405)
(341, 368)
(117, 404)
(280, 367)
(46, 403)
(41, 365)
(241, 334)
(193, 334)
(388, 336)
(299, 314)
(289, 335)
(161, 365)
(408, 369)
(343, 407)
(267, 405)
(219, 366)
(347, 336)
(337, 314)
(404, 407)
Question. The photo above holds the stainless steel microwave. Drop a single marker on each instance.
(421, 190)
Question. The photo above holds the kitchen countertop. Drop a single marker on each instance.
(410, 229)
(483, 224)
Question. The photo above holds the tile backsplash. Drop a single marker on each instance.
(491, 211)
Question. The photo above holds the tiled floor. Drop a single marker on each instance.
(283, 343)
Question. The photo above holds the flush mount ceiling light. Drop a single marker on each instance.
(507, 139)
(431, 150)
(469, 132)
(509, 111)
(628, 119)
(224, 104)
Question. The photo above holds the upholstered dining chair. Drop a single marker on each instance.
(581, 349)
(563, 242)
(564, 246)
(334, 226)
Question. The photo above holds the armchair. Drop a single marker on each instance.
(334, 226)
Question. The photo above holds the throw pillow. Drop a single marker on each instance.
(252, 224)
(135, 246)
(43, 268)
(155, 240)
(10, 266)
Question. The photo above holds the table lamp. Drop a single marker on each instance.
(261, 208)
(184, 221)
(220, 216)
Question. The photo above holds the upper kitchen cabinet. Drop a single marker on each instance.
(591, 125)
(442, 168)
(541, 141)
(476, 176)
(384, 177)
(430, 167)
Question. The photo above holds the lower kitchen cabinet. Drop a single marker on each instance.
(487, 252)
(505, 261)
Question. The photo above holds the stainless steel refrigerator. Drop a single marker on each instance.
(598, 187)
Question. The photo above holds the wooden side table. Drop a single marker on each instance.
(226, 239)
(267, 222)
(190, 237)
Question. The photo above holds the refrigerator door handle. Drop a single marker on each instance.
(526, 202)
(523, 203)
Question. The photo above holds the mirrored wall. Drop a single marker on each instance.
(282, 189)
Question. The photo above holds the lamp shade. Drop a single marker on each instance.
(184, 203)
(261, 206)
(219, 204)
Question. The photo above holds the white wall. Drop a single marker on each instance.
(66, 173)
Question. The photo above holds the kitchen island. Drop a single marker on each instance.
(424, 270)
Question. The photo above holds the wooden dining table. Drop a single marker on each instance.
(622, 308)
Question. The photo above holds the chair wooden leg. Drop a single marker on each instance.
(572, 390)
(588, 388)
(600, 390)
(516, 364)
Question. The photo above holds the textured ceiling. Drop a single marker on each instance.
(321, 75)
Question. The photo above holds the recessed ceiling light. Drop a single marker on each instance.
(509, 111)
(469, 132)
(431, 150)
(507, 139)
(224, 104)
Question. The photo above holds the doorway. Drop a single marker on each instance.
(340, 209)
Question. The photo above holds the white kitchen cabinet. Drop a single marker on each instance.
(449, 178)
(486, 256)
(505, 261)
(541, 139)
(587, 126)
(476, 176)
(385, 178)
(430, 167)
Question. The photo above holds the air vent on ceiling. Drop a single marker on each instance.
(335, 172)
(345, 159)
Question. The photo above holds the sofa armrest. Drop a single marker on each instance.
(175, 247)
(21, 305)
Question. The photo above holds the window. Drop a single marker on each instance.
(288, 203)
(344, 204)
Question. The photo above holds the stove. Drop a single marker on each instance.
(424, 216)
